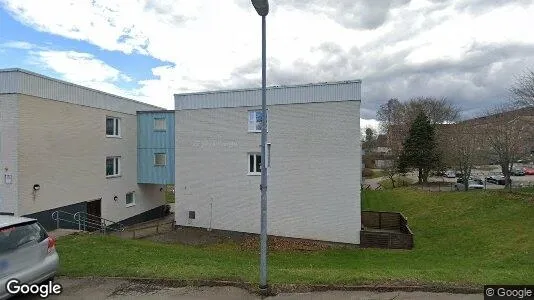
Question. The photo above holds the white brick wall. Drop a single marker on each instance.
(63, 148)
(314, 183)
(8, 152)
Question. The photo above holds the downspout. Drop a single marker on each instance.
(211, 212)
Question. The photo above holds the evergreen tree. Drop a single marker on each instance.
(419, 148)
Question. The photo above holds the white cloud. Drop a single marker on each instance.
(202, 43)
(84, 69)
(79, 67)
(18, 45)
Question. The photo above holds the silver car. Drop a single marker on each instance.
(27, 252)
(472, 184)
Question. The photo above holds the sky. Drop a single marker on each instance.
(468, 51)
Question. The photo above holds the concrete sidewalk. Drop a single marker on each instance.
(124, 289)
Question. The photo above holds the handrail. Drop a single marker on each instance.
(94, 216)
(82, 216)
(86, 220)
(56, 217)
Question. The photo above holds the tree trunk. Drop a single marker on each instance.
(466, 175)
(506, 173)
(420, 176)
(426, 172)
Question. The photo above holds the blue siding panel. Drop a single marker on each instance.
(150, 142)
(148, 173)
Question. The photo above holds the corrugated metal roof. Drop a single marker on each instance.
(292, 94)
(19, 81)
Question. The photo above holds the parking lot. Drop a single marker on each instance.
(442, 183)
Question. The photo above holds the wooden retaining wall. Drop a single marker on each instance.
(382, 229)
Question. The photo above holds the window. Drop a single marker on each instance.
(254, 164)
(160, 159)
(21, 236)
(113, 127)
(113, 166)
(160, 124)
(255, 119)
(130, 199)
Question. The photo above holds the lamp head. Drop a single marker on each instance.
(261, 6)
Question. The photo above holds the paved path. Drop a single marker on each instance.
(123, 289)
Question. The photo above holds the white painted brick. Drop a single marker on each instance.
(315, 175)
(8, 152)
(63, 148)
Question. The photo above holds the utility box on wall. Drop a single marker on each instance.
(155, 147)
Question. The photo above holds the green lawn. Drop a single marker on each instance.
(400, 181)
(373, 173)
(169, 197)
(461, 238)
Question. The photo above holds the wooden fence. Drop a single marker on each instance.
(382, 229)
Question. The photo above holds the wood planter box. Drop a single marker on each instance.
(382, 229)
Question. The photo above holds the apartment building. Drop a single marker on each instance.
(313, 160)
(69, 148)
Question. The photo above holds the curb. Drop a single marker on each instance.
(275, 289)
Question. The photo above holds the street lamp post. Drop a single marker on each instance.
(262, 8)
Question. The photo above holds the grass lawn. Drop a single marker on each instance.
(400, 181)
(169, 196)
(461, 238)
(374, 173)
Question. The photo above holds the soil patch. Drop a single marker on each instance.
(246, 241)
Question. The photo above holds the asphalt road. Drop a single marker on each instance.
(123, 289)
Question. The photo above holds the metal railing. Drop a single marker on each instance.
(61, 215)
(86, 221)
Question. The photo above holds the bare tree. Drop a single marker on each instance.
(507, 133)
(396, 117)
(389, 116)
(391, 170)
(522, 90)
(466, 151)
(438, 111)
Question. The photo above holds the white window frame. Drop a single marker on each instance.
(255, 172)
(164, 124)
(252, 122)
(116, 127)
(116, 166)
(133, 199)
(165, 159)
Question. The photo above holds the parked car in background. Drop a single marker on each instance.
(472, 183)
(497, 179)
(27, 252)
(517, 172)
(450, 174)
(528, 171)
(439, 173)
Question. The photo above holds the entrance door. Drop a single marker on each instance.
(94, 211)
